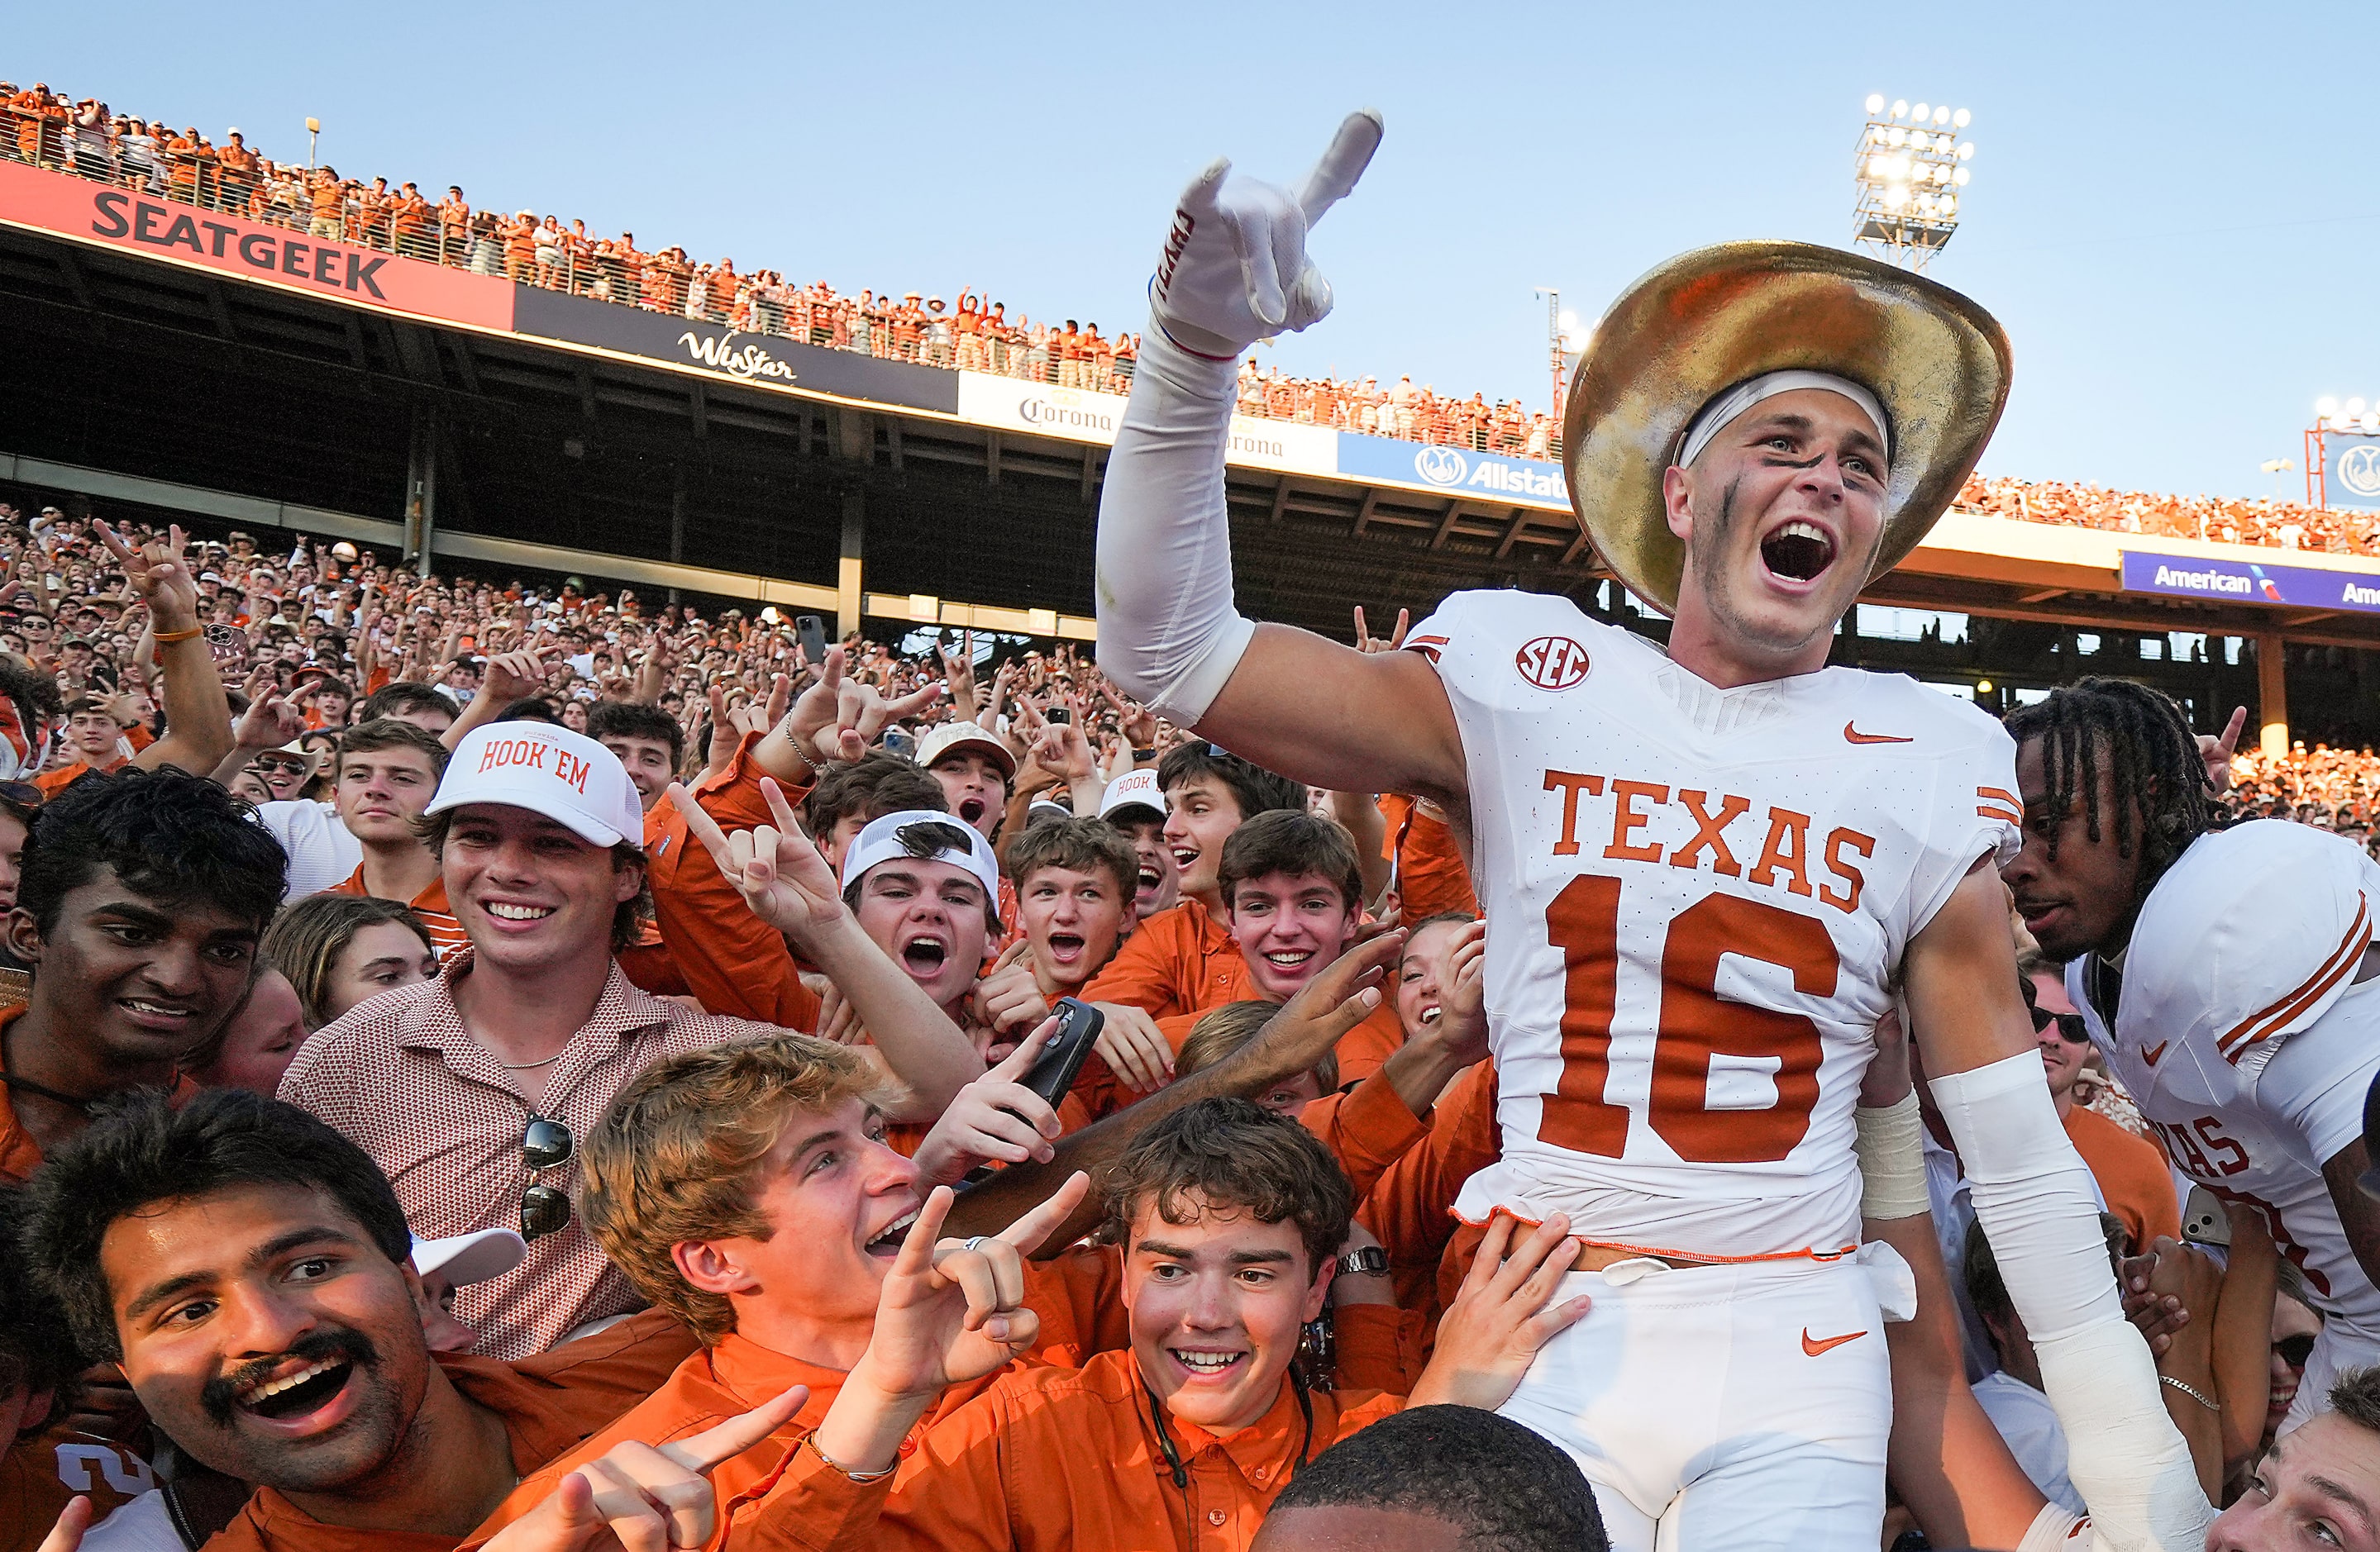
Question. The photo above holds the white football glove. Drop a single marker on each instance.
(1234, 269)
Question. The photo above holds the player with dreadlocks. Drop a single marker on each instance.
(2226, 974)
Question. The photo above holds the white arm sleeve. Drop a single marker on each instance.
(1168, 631)
(2034, 1199)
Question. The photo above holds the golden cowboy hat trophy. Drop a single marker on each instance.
(1710, 320)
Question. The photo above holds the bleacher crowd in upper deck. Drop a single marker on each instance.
(973, 333)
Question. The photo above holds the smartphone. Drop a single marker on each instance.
(2205, 1220)
(1057, 716)
(1054, 1071)
(813, 631)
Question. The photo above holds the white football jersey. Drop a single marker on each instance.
(1697, 902)
(2246, 1041)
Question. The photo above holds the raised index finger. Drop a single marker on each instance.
(1334, 177)
(2231, 729)
(1027, 1232)
(700, 825)
(731, 1438)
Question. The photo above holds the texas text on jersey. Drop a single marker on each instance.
(2248, 1043)
(1702, 900)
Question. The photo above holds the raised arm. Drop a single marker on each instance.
(1233, 270)
(197, 716)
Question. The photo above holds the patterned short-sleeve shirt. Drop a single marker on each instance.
(402, 1077)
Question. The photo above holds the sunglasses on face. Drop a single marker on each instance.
(286, 766)
(543, 1208)
(2070, 1026)
(2295, 1350)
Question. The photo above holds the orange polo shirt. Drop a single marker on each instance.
(732, 961)
(550, 1404)
(2132, 1175)
(1179, 961)
(1068, 1460)
(437, 913)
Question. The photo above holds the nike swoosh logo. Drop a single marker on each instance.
(2149, 1054)
(1814, 1346)
(1853, 736)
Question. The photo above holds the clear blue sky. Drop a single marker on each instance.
(2171, 211)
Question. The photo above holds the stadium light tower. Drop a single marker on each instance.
(1566, 337)
(1911, 171)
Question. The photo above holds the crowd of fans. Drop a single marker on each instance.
(971, 333)
(489, 1064)
(549, 1019)
(2285, 525)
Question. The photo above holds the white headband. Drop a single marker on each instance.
(1725, 410)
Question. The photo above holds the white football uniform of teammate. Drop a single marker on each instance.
(1701, 901)
(2248, 1043)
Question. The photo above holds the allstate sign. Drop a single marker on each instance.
(1456, 470)
(2354, 476)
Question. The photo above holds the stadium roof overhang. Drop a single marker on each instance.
(570, 434)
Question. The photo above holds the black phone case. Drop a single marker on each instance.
(1054, 1071)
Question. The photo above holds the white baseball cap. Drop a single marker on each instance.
(566, 776)
(941, 740)
(882, 842)
(470, 1258)
(1133, 789)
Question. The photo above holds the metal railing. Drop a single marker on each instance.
(543, 252)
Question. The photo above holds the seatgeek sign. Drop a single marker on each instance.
(2229, 581)
(132, 220)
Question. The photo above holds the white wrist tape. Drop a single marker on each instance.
(2033, 1197)
(1168, 631)
(1891, 1144)
(2123, 1454)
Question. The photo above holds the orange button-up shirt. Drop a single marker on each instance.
(1431, 878)
(1068, 1460)
(1179, 961)
(549, 1403)
(1072, 1294)
(732, 961)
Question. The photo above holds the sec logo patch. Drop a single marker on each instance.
(1552, 662)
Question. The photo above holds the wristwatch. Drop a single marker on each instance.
(1370, 1261)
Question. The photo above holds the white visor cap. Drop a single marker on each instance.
(882, 842)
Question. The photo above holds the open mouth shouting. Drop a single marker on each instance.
(1066, 949)
(1798, 551)
(1148, 880)
(303, 1391)
(971, 810)
(889, 1239)
(1185, 858)
(925, 956)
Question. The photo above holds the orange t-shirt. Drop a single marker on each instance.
(1068, 1460)
(53, 782)
(19, 1154)
(733, 963)
(446, 933)
(2132, 1175)
(1431, 880)
(550, 1404)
